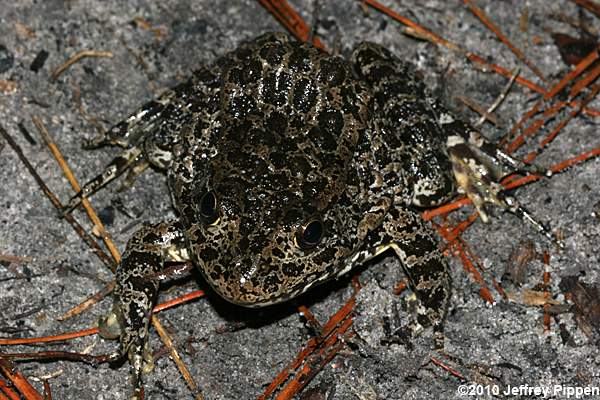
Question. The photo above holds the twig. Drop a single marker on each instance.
(87, 303)
(105, 236)
(589, 5)
(55, 355)
(487, 22)
(10, 394)
(485, 115)
(75, 185)
(47, 390)
(176, 358)
(179, 300)
(92, 331)
(471, 56)
(82, 54)
(54, 200)
(499, 99)
(18, 380)
(291, 20)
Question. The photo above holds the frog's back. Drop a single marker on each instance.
(275, 153)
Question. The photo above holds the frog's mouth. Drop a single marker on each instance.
(253, 286)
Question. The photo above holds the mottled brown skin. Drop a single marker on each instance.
(288, 167)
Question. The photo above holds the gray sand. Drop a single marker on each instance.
(61, 271)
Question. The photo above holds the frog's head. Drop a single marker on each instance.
(274, 215)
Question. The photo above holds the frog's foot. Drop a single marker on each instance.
(478, 167)
(415, 244)
(130, 159)
(139, 355)
(148, 136)
(398, 333)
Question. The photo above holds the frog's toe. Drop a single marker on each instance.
(109, 326)
(478, 172)
(141, 363)
(127, 160)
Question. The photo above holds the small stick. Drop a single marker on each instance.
(4, 388)
(291, 20)
(447, 368)
(49, 339)
(87, 303)
(485, 115)
(78, 56)
(54, 200)
(471, 56)
(15, 259)
(179, 300)
(313, 322)
(18, 380)
(499, 99)
(531, 156)
(75, 185)
(47, 390)
(63, 355)
(166, 338)
(92, 331)
(589, 5)
(491, 26)
(579, 68)
(114, 251)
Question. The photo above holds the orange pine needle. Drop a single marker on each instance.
(93, 331)
(179, 300)
(48, 339)
(446, 368)
(291, 20)
(589, 5)
(19, 381)
(491, 26)
(337, 325)
(7, 390)
(582, 66)
(585, 81)
(445, 209)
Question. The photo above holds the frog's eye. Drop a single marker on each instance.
(209, 211)
(310, 234)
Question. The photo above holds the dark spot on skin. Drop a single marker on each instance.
(291, 269)
(322, 139)
(277, 122)
(273, 53)
(299, 60)
(275, 88)
(305, 95)
(332, 72)
(209, 254)
(331, 121)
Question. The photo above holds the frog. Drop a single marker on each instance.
(288, 167)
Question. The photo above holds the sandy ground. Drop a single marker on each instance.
(503, 344)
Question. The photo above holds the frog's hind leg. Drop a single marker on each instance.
(411, 148)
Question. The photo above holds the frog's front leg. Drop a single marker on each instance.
(415, 243)
(150, 134)
(137, 289)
